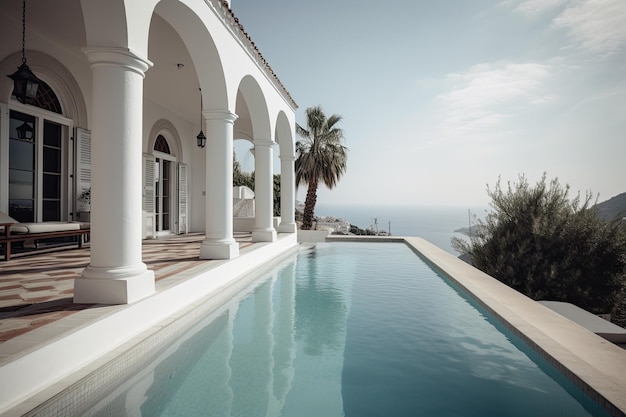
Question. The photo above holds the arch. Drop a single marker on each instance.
(252, 102)
(202, 50)
(126, 24)
(56, 75)
(284, 135)
(168, 130)
(118, 23)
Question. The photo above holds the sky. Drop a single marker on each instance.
(441, 99)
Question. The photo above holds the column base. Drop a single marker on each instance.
(114, 291)
(219, 250)
(288, 228)
(264, 235)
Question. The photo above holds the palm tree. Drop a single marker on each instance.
(321, 157)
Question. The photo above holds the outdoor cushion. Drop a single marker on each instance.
(44, 227)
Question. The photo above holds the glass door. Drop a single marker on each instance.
(37, 148)
(163, 195)
(22, 166)
(52, 157)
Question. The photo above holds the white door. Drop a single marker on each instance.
(169, 185)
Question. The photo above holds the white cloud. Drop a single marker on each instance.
(532, 7)
(596, 25)
(486, 95)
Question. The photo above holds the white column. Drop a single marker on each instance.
(263, 192)
(287, 195)
(116, 273)
(219, 242)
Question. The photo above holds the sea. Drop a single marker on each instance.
(436, 224)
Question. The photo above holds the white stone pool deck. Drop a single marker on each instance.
(47, 343)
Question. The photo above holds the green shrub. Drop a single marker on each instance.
(549, 247)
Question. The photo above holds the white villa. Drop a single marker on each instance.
(125, 88)
(137, 103)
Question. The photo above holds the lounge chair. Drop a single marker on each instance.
(603, 328)
(13, 231)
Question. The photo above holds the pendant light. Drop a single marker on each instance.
(25, 83)
(201, 138)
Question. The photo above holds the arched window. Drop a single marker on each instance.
(46, 99)
(161, 145)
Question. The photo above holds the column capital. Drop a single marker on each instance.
(105, 56)
(264, 142)
(220, 114)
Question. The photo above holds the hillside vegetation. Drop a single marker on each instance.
(550, 247)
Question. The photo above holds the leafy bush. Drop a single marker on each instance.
(550, 248)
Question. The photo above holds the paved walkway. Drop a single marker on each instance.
(37, 289)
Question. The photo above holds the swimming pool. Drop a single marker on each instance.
(341, 329)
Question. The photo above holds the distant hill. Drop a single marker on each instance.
(607, 210)
(612, 207)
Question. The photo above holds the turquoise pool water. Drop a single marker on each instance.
(342, 329)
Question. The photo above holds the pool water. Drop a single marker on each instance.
(344, 329)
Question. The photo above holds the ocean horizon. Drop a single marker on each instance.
(436, 224)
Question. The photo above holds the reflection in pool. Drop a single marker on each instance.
(354, 329)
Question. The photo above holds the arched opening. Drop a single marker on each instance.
(165, 183)
(243, 150)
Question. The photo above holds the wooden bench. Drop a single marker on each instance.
(7, 238)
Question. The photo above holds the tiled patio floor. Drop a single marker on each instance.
(37, 289)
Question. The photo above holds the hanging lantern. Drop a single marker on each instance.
(25, 83)
(201, 138)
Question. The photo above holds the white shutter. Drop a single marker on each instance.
(82, 182)
(147, 202)
(182, 198)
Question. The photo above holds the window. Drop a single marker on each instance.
(165, 163)
(37, 180)
(52, 171)
(22, 172)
